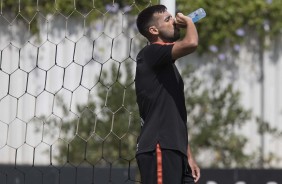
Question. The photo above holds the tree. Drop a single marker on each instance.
(230, 23)
(29, 11)
(214, 114)
(215, 120)
(104, 134)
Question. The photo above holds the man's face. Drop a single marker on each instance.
(166, 27)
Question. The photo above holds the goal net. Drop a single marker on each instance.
(67, 102)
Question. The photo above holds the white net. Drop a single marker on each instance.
(67, 102)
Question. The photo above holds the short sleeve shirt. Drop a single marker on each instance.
(161, 102)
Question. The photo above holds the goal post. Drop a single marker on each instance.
(170, 4)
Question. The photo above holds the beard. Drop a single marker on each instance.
(170, 36)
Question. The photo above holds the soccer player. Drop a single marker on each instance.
(163, 154)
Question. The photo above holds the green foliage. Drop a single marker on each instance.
(232, 21)
(228, 24)
(29, 11)
(214, 115)
(107, 134)
(265, 128)
(224, 17)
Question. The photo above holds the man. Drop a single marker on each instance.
(163, 154)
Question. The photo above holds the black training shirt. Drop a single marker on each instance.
(160, 98)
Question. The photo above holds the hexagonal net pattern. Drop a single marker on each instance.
(67, 102)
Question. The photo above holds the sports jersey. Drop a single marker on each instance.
(160, 98)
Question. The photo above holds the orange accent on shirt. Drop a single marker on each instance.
(163, 43)
(159, 165)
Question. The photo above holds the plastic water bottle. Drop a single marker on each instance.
(197, 15)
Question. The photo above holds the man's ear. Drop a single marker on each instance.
(153, 30)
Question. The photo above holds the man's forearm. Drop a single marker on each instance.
(189, 153)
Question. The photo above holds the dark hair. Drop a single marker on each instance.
(145, 17)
